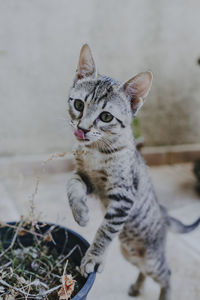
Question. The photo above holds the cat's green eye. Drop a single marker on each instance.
(79, 104)
(106, 117)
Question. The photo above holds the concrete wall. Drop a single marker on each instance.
(39, 47)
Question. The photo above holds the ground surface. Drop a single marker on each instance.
(175, 188)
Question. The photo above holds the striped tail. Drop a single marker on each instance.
(177, 226)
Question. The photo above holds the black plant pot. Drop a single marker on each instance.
(59, 237)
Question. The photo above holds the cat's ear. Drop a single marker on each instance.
(86, 65)
(137, 88)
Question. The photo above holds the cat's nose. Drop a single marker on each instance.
(83, 129)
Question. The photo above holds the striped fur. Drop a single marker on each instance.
(108, 165)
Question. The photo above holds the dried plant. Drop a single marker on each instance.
(54, 155)
(37, 271)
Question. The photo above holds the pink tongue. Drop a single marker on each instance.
(80, 134)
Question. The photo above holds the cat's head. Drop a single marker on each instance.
(101, 108)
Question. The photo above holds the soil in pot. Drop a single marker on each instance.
(37, 261)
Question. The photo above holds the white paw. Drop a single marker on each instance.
(81, 214)
(91, 263)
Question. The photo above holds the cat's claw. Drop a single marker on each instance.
(81, 214)
(91, 263)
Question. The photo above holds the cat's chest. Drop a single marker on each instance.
(95, 167)
(91, 161)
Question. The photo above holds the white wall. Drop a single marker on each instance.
(39, 47)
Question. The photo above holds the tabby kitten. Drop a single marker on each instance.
(101, 110)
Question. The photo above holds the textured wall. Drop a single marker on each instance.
(39, 47)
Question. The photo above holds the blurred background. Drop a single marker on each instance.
(39, 48)
(40, 42)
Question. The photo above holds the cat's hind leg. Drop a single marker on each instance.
(161, 274)
(164, 281)
(135, 288)
(165, 293)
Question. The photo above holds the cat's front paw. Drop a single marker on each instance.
(91, 263)
(81, 213)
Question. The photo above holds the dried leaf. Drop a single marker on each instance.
(67, 288)
(48, 238)
(22, 232)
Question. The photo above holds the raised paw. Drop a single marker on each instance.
(91, 263)
(134, 291)
(81, 213)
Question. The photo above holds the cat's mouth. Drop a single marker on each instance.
(81, 135)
